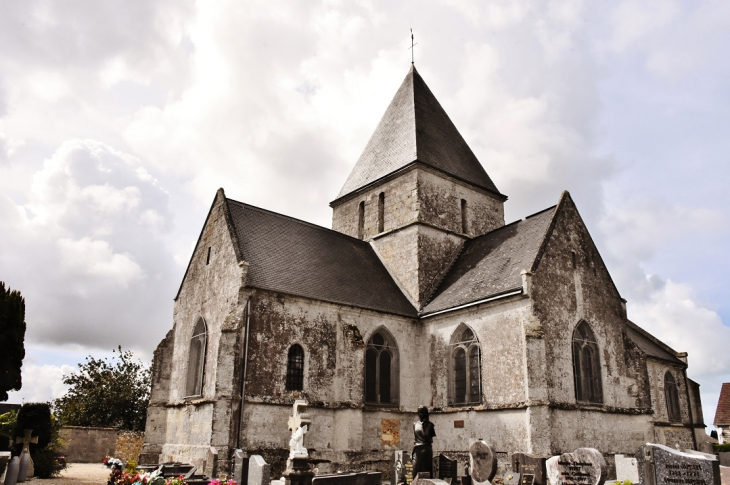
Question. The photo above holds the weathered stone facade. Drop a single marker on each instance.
(471, 307)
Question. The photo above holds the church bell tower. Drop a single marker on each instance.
(417, 192)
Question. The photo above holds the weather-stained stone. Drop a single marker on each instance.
(527, 465)
(661, 465)
(585, 466)
(482, 462)
(627, 468)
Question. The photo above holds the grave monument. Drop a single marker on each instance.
(297, 470)
(482, 462)
(585, 466)
(530, 468)
(661, 465)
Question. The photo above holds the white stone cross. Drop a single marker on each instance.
(298, 425)
(27, 440)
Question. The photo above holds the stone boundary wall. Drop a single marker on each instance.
(88, 445)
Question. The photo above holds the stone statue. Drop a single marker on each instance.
(423, 434)
(298, 425)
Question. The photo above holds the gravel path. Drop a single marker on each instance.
(78, 473)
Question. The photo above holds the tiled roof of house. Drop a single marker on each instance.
(722, 415)
(299, 258)
(416, 127)
(650, 345)
(492, 264)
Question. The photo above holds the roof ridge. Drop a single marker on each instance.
(645, 333)
(284, 216)
(510, 224)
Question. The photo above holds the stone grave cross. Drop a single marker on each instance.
(27, 440)
(25, 468)
(298, 425)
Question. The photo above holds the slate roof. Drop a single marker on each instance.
(416, 127)
(492, 264)
(722, 415)
(650, 345)
(299, 258)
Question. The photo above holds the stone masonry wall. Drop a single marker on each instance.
(211, 290)
(439, 204)
(563, 296)
(400, 207)
(333, 337)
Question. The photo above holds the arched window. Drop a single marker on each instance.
(196, 360)
(671, 395)
(465, 383)
(586, 365)
(295, 368)
(381, 369)
(361, 220)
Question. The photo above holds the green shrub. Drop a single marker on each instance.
(37, 417)
(47, 464)
(722, 447)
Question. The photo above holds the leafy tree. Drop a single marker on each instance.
(108, 393)
(12, 335)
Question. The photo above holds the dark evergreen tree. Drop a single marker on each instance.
(108, 393)
(12, 336)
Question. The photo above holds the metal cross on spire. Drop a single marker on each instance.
(413, 44)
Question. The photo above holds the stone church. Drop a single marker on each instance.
(419, 294)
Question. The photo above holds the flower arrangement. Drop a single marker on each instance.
(176, 481)
(223, 481)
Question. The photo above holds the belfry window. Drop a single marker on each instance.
(381, 369)
(586, 365)
(464, 227)
(361, 220)
(196, 360)
(671, 395)
(381, 212)
(295, 368)
(465, 383)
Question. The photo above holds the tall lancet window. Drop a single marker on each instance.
(586, 365)
(465, 380)
(381, 212)
(361, 220)
(196, 359)
(381, 369)
(671, 395)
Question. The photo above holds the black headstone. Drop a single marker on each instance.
(525, 464)
(447, 469)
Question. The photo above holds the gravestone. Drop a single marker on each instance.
(351, 478)
(482, 462)
(530, 467)
(447, 469)
(401, 470)
(259, 472)
(240, 467)
(585, 466)
(627, 468)
(661, 465)
(4, 460)
(25, 469)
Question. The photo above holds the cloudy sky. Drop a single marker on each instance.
(120, 119)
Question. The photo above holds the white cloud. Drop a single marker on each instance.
(42, 383)
(97, 258)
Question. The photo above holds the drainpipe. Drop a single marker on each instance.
(683, 357)
(243, 378)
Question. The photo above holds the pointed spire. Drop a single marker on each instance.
(416, 128)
